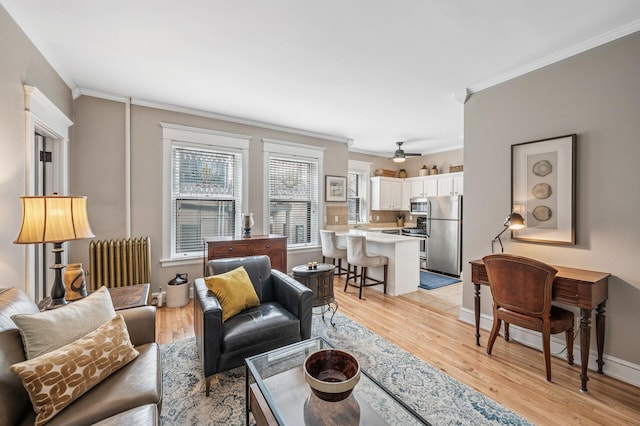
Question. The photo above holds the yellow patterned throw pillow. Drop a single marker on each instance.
(234, 291)
(56, 379)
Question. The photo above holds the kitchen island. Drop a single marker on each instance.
(403, 275)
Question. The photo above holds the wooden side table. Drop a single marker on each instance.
(320, 281)
(125, 297)
(130, 296)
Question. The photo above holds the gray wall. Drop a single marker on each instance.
(442, 160)
(98, 173)
(413, 164)
(21, 64)
(597, 95)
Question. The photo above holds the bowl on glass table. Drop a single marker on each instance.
(331, 373)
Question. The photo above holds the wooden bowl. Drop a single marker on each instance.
(331, 373)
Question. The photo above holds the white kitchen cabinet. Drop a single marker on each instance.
(450, 184)
(406, 196)
(386, 193)
(423, 186)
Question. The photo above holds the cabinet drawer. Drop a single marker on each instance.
(568, 292)
(229, 250)
(266, 246)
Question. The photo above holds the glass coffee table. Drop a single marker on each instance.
(280, 396)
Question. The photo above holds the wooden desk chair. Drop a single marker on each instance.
(522, 290)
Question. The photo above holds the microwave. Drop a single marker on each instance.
(419, 206)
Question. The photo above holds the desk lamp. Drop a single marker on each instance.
(54, 219)
(513, 221)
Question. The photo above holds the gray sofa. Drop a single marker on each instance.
(133, 392)
(283, 316)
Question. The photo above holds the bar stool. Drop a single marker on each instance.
(331, 250)
(357, 256)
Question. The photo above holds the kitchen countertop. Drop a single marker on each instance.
(402, 252)
(377, 237)
(370, 227)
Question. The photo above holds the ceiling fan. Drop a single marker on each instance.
(400, 156)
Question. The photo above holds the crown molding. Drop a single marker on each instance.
(208, 114)
(558, 56)
(38, 42)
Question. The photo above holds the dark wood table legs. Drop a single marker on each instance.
(600, 334)
(585, 342)
(476, 306)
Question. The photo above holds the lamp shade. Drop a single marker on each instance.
(514, 221)
(53, 219)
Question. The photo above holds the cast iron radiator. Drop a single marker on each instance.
(119, 263)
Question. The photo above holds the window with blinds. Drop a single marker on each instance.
(293, 199)
(354, 202)
(358, 191)
(206, 196)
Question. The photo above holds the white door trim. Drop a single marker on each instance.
(44, 116)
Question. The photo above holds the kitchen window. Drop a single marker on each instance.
(207, 188)
(358, 191)
(293, 191)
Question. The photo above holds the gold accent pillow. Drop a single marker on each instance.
(52, 329)
(56, 379)
(234, 291)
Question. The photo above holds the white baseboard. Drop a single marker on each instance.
(614, 367)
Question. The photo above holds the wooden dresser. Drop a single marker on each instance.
(274, 246)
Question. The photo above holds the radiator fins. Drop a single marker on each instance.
(119, 263)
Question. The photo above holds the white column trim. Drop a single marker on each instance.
(127, 167)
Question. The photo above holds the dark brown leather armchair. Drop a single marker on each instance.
(283, 316)
(522, 292)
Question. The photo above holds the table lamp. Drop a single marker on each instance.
(54, 219)
(513, 221)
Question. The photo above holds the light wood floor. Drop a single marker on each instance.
(513, 376)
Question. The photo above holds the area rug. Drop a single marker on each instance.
(437, 397)
(430, 281)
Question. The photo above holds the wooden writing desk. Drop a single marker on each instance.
(576, 287)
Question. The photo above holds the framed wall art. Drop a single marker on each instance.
(543, 176)
(335, 188)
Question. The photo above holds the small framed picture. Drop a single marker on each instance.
(335, 188)
(543, 189)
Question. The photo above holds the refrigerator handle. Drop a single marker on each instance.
(427, 225)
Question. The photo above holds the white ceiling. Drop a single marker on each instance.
(372, 71)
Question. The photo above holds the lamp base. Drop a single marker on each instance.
(58, 290)
(57, 302)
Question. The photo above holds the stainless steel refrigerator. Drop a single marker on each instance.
(444, 235)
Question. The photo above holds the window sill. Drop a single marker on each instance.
(304, 249)
(197, 260)
(168, 263)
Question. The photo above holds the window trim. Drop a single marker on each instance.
(198, 138)
(293, 150)
(363, 168)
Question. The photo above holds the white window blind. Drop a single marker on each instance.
(293, 199)
(354, 200)
(206, 195)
